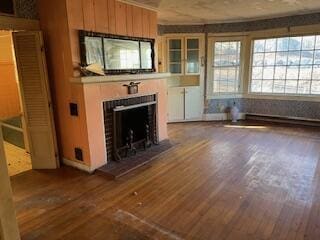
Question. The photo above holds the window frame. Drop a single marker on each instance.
(250, 65)
(210, 61)
(83, 34)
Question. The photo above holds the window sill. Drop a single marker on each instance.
(307, 98)
(310, 98)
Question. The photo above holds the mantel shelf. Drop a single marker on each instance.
(119, 78)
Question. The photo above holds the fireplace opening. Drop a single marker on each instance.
(130, 126)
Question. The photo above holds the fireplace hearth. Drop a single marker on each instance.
(130, 126)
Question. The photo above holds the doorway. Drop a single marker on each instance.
(26, 117)
(11, 110)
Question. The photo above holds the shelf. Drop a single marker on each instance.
(119, 78)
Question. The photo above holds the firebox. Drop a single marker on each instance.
(130, 126)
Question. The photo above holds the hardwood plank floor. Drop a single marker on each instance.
(220, 181)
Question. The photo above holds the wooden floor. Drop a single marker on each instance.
(219, 182)
(18, 159)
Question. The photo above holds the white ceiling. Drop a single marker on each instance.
(217, 11)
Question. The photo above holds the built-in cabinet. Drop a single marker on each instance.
(184, 103)
(182, 56)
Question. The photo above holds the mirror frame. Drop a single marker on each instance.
(83, 54)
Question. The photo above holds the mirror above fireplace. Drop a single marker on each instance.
(117, 54)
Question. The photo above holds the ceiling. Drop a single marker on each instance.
(218, 11)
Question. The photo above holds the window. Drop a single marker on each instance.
(117, 54)
(286, 65)
(225, 72)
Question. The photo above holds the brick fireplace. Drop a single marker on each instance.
(97, 97)
(130, 125)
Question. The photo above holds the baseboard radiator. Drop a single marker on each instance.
(280, 119)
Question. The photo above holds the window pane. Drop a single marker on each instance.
(193, 61)
(268, 73)
(317, 57)
(267, 86)
(283, 44)
(259, 46)
(294, 58)
(175, 68)
(279, 86)
(291, 86)
(193, 43)
(256, 85)
(175, 44)
(258, 59)
(269, 59)
(295, 43)
(271, 45)
(306, 57)
(316, 72)
(315, 87)
(308, 42)
(305, 72)
(304, 86)
(257, 72)
(317, 42)
(175, 56)
(280, 73)
(293, 72)
(281, 58)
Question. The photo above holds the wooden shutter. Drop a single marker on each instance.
(34, 87)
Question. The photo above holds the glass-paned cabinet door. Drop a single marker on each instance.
(175, 56)
(192, 56)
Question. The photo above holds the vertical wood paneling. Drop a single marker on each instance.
(88, 15)
(153, 33)
(137, 21)
(121, 21)
(75, 14)
(129, 20)
(145, 23)
(111, 16)
(101, 16)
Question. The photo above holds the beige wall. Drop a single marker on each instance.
(9, 94)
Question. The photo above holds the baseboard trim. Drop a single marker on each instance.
(284, 119)
(221, 116)
(77, 165)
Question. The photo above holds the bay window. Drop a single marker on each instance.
(286, 65)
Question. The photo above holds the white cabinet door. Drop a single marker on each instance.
(193, 103)
(192, 56)
(175, 104)
(175, 56)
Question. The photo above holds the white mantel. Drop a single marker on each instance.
(119, 78)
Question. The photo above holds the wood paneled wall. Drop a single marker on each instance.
(108, 16)
(60, 22)
(71, 131)
(9, 93)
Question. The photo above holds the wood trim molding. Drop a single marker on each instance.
(8, 223)
(13, 23)
(78, 165)
(221, 116)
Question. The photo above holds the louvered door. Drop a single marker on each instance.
(33, 81)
